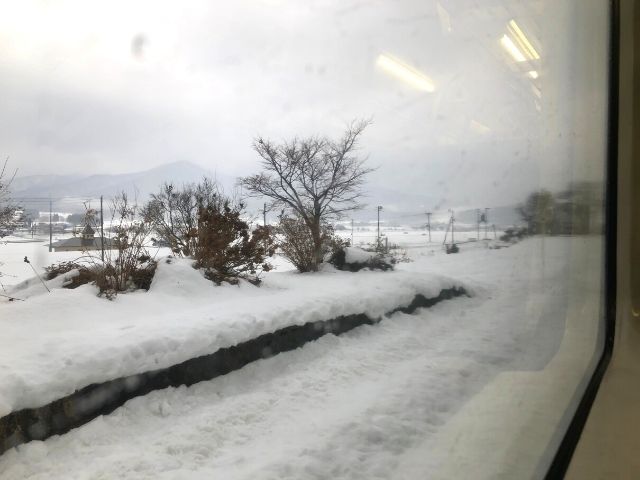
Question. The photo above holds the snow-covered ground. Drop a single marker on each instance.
(13, 249)
(354, 406)
(83, 339)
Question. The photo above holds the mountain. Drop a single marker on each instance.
(70, 190)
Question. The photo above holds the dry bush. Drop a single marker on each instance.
(226, 248)
(127, 264)
(298, 245)
(513, 234)
(57, 269)
(85, 274)
(174, 213)
(7, 206)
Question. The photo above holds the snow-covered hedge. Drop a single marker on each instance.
(354, 259)
(182, 316)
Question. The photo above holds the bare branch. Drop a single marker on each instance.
(316, 177)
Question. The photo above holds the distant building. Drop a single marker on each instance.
(86, 241)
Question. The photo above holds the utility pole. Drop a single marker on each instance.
(486, 223)
(352, 232)
(102, 229)
(379, 208)
(264, 214)
(429, 225)
(478, 222)
(452, 222)
(50, 227)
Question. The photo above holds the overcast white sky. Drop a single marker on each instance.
(120, 86)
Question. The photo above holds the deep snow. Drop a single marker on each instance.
(340, 407)
(82, 339)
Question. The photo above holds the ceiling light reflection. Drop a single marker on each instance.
(510, 47)
(536, 91)
(445, 19)
(478, 127)
(405, 72)
(523, 40)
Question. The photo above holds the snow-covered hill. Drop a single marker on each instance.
(92, 186)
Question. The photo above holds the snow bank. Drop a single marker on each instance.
(379, 402)
(357, 255)
(54, 344)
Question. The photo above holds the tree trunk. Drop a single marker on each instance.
(317, 242)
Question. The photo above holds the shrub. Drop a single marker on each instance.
(174, 212)
(126, 264)
(513, 234)
(84, 276)
(111, 280)
(128, 253)
(298, 246)
(226, 249)
(57, 269)
(353, 259)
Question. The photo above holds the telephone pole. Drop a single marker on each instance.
(452, 222)
(379, 208)
(102, 229)
(429, 225)
(486, 223)
(352, 232)
(50, 227)
(264, 214)
(478, 222)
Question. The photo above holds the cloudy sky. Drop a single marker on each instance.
(121, 86)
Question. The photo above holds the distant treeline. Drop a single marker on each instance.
(578, 210)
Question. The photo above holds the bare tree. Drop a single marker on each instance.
(316, 177)
(127, 264)
(175, 212)
(538, 212)
(7, 208)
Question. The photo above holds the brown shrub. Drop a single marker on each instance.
(226, 249)
(85, 274)
(298, 246)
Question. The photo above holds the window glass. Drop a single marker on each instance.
(357, 239)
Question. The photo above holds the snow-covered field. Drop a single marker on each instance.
(13, 249)
(83, 339)
(354, 406)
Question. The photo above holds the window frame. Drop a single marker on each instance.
(563, 455)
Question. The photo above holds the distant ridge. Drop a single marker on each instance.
(70, 191)
(92, 186)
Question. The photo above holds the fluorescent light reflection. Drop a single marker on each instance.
(510, 47)
(405, 73)
(523, 40)
(478, 127)
(536, 91)
(445, 19)
(533, 74)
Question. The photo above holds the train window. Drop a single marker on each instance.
(277, 239)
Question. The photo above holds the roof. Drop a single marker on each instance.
(81, 242)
